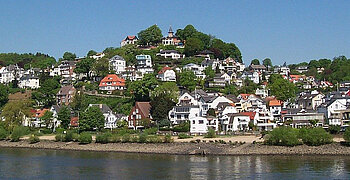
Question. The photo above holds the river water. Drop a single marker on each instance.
(55, 164)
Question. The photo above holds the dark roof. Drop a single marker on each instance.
(144, 107)
(209, 99)
(206, 52)
(117, 57)
(65, 90)
(168, 51)
(29, 76)
(257, 66)
(103, 107)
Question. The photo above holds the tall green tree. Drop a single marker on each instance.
(47, 118)
(188, 80)
(193, 45)
(101, 67)
(163, 99)
(91, 53)
(68, 56)
(267, 62)
(15, 112)
(255, 62)
(4, 94)
(91, 119)
(64, 116)
(46, 94)
(209, 72)
(150, 36)
(141, 90)
(282, 89)
(85, 66)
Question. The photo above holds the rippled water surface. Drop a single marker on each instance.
(53, 164)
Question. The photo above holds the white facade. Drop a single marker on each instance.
(29, 81)
(234, 122)
(253, 76)
(117, 64)
(98, 56)
(196, 69)
(168, 75)
(172, 54)
(201, 125)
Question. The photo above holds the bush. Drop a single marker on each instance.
(143, 138)
(183, 127)
(333, 129)
(155, 139)
(75, 137)
(68, 137)
(59, 137)
(151, 131)
(315, 136)
(103, 138)
(85, 138)
(168, 138)
(346, 135)
(33, 139)
(46, 131)
(18, 132)
(59, 130)
(3, 133)
(134, 139)
(211, 134)
(115, 138)
(283, 136)
(184, 136)
(126, 138)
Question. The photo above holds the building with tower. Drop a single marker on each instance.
(171, 39)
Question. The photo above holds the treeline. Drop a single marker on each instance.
(26, 60)
(335, 70)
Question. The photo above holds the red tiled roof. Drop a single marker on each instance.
(113, 79)
(245, 96)
(275, 102)
(250, 114)
(162, 71)
(39, 112)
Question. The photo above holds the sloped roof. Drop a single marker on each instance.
(103, 107)
(117, 57)
(65, 90)
(114, 79)
(275, 102)
(144, 107)
(164, 69)
(250, 114)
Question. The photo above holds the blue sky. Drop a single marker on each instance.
(291, 31)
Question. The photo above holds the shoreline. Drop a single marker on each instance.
(179, 148)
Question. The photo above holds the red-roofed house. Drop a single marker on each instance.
(112, 82)
(167, 74)
(74, 121)
(128, 40)
(37, 114)
(275, 108)
(243, 96)
(139, 113)
(252, 115)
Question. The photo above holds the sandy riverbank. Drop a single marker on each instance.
(187, 148)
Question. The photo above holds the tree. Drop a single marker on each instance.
(249, 87)
(231, 89)
(141, 90)
(187, 80)
(267, 62)
(46, 94)
(163, 99)
(281, 88)
(150, 36)
(211, 112)
(64, 116)
(188, 32)
(255, 62)
(193, 45)
(47, 118)
(4, 94)
(209, 72)
(15, 112)
(101, 67)
(84, 66)
(91, 53)
(91, 119)
(68, 56)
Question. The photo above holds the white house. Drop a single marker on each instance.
(234, 122)
(186, 108)
(29, 81)
(117, 64)
(201, 125)
(144, 64)
(98, 56)
(8, 73)
(253, 76)
(128, 40)
(172, 54)
(167, 74)
(196, 69)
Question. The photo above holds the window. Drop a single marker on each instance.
(201, 122)
(186, 116)
(193, 122)
(178, 116)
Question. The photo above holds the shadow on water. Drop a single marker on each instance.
(54, 164)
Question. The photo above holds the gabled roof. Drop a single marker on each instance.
(250, 114)
(103, 107)
(65, 90)
(117, 58)
(275, 102)
(164, 69)
(114, 79)
(130, 38)
(39, 112)
(28, 76)
(144, 107)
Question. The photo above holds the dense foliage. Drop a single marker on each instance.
(26, 61)
(315, 136)
(283, 136)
